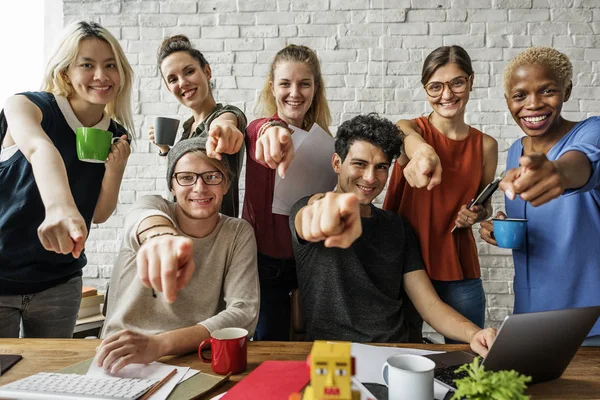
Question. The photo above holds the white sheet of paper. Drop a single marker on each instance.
(370, 360)
(310, 171)
(154, 370)
(191, 372)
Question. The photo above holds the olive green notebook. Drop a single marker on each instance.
(192, 388)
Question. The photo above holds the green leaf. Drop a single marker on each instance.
(480, 384)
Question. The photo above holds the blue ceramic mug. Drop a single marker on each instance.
(510, 232)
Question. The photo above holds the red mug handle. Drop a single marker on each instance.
(205, 343)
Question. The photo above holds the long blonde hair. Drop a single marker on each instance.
(65, 53)
(319, 110)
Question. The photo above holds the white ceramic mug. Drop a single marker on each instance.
(408, 377)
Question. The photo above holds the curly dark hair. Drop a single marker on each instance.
(373, 129)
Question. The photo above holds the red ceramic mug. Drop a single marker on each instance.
(229, 350)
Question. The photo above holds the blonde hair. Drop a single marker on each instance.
(65, 53)
(319, 110)
(555, 61)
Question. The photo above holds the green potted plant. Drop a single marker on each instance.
(480, 384)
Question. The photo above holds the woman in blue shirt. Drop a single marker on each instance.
(552, 180)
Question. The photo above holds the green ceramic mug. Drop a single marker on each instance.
(93, 145)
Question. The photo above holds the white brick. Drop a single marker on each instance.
(386, 54)
(139, 7)
(151, 33)
(592, 54)
(374, 95)
(429, 42)
(158, 20)
(543, 28)
(464, 40)
(456, 15)
(580, 28)
(102, 7)
(288, 31)
(354, 42)
(349, 5)
(403, 68)
(487, 15)
(237, 19)
(425, 15)
(216, 6)
(472, 4)
(177, 7)
(571, 15)
(408, 28)
(262, 5)
(130, 33)
(449, 28)
(316, 30)
(213, 32)
(528, 16)
(332, 17)
(192, 32)
(243, 44)
(208, 45)
(502, 28)
(309, 5)
(389, 16)
(259, 31)
(506, 4)
(119, 20)
(197, 20)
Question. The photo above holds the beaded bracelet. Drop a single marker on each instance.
(271, 123)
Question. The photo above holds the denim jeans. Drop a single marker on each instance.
(51, 313)
(277, 280)
(466, 297)
(591, 341)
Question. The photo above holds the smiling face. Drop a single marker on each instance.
(199, 201)
(187, 80)
(535, 98)
(93, 75)
(364, 172)
(450, 105)
(293, 87)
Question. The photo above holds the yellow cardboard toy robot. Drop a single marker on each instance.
(331, 369)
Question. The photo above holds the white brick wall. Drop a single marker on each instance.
(358, 42)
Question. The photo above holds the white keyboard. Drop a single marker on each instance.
(57, 386)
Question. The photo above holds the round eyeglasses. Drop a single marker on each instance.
(190, 178)
(456, 85)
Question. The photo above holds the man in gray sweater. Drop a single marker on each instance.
(203, 262)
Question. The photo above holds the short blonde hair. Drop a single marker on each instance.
(65, 53)
(556, 62)
(319, 110)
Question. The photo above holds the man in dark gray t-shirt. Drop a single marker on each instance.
(355, 262)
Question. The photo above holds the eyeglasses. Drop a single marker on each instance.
(456, 85)
(190, 178)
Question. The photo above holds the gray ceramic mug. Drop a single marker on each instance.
(165, 130)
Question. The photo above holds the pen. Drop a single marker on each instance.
(158, 385)
(468, 206)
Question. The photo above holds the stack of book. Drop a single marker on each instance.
(90, 311)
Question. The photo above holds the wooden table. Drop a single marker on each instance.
(581, 380)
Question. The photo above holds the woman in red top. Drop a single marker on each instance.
(468, 158)
(294, 94)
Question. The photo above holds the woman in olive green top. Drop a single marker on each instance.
(187, 74)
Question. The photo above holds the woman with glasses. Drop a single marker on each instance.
(443, 141)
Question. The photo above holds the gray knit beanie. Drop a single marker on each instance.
(182, 148)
